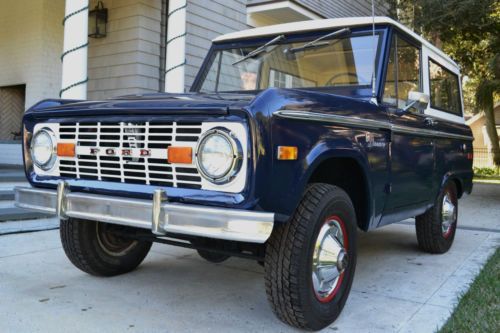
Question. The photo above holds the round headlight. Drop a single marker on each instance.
(218, 156)
(43, 149)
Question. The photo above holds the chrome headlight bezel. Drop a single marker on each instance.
(237, 153)
(49, 164)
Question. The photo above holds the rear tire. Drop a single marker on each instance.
(436, 227)
(308, 271)
(213, 256)
(96, 250)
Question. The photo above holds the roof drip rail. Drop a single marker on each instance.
(374, 75)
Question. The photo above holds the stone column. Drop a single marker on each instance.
(176, 46)
(74, 57)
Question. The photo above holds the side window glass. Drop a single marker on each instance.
(444, 89)
(408, 57)
(390, 92)
(403, 72)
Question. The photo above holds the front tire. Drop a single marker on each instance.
(94, 248)
(436, 227)
(310, 261)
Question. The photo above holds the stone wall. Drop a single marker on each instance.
(127, 60)
(31, 41)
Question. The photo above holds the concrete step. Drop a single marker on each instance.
(18, 214)
(12, 175)
(6, 195)
(16, 227)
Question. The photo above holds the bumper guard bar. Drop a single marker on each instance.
(158, 215)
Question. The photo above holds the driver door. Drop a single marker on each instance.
(412, 153)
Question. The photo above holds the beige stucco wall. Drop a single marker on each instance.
(477, 131)
(478, 128)
(31, 36)
(127, 60)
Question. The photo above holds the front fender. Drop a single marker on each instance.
(324, 155)
(280, 184)
(327, 150)
(291, 178)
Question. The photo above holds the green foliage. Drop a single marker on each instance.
(478, 309)
(485, 172)
(469, 31)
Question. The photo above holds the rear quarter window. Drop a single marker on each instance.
(444, 89)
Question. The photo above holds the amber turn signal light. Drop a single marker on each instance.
(287, 153)
(180, 155)
(66, 149)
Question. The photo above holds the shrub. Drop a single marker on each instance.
(485, 172)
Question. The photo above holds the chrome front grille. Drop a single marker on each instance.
(100, 148)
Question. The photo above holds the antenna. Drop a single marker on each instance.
(374, 78)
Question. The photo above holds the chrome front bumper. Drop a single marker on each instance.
(158, 215)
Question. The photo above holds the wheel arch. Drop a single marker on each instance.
(455, 178)
(339, 167)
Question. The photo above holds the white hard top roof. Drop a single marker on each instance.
(312, 25)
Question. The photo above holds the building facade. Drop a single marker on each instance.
(482, 144)
(149, 46)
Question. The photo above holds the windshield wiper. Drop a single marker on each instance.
(316, 42)
(260, 49)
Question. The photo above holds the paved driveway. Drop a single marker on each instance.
(396, 288)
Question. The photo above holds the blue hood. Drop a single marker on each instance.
(164, 103)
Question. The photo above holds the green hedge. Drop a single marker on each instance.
(486, 172)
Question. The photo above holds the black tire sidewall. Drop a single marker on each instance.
(335, 203)
(429, 225)
(82, 247)
(213, 257)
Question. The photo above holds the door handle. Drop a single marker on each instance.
(429, 121)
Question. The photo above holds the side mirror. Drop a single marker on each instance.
(417, 100)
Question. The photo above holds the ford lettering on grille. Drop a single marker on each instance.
(130, 152)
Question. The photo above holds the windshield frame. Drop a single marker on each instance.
(381, 30)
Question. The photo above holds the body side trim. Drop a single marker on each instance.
(366, 123)
(331, 118)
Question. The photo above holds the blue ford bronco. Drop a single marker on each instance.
(293, 137)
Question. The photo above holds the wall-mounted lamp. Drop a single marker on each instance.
(98, 18)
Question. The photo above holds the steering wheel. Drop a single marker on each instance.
(331, 81)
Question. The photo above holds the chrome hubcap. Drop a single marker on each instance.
(330, 259)
(448, 215)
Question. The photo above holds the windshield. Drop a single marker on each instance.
(345, 61)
